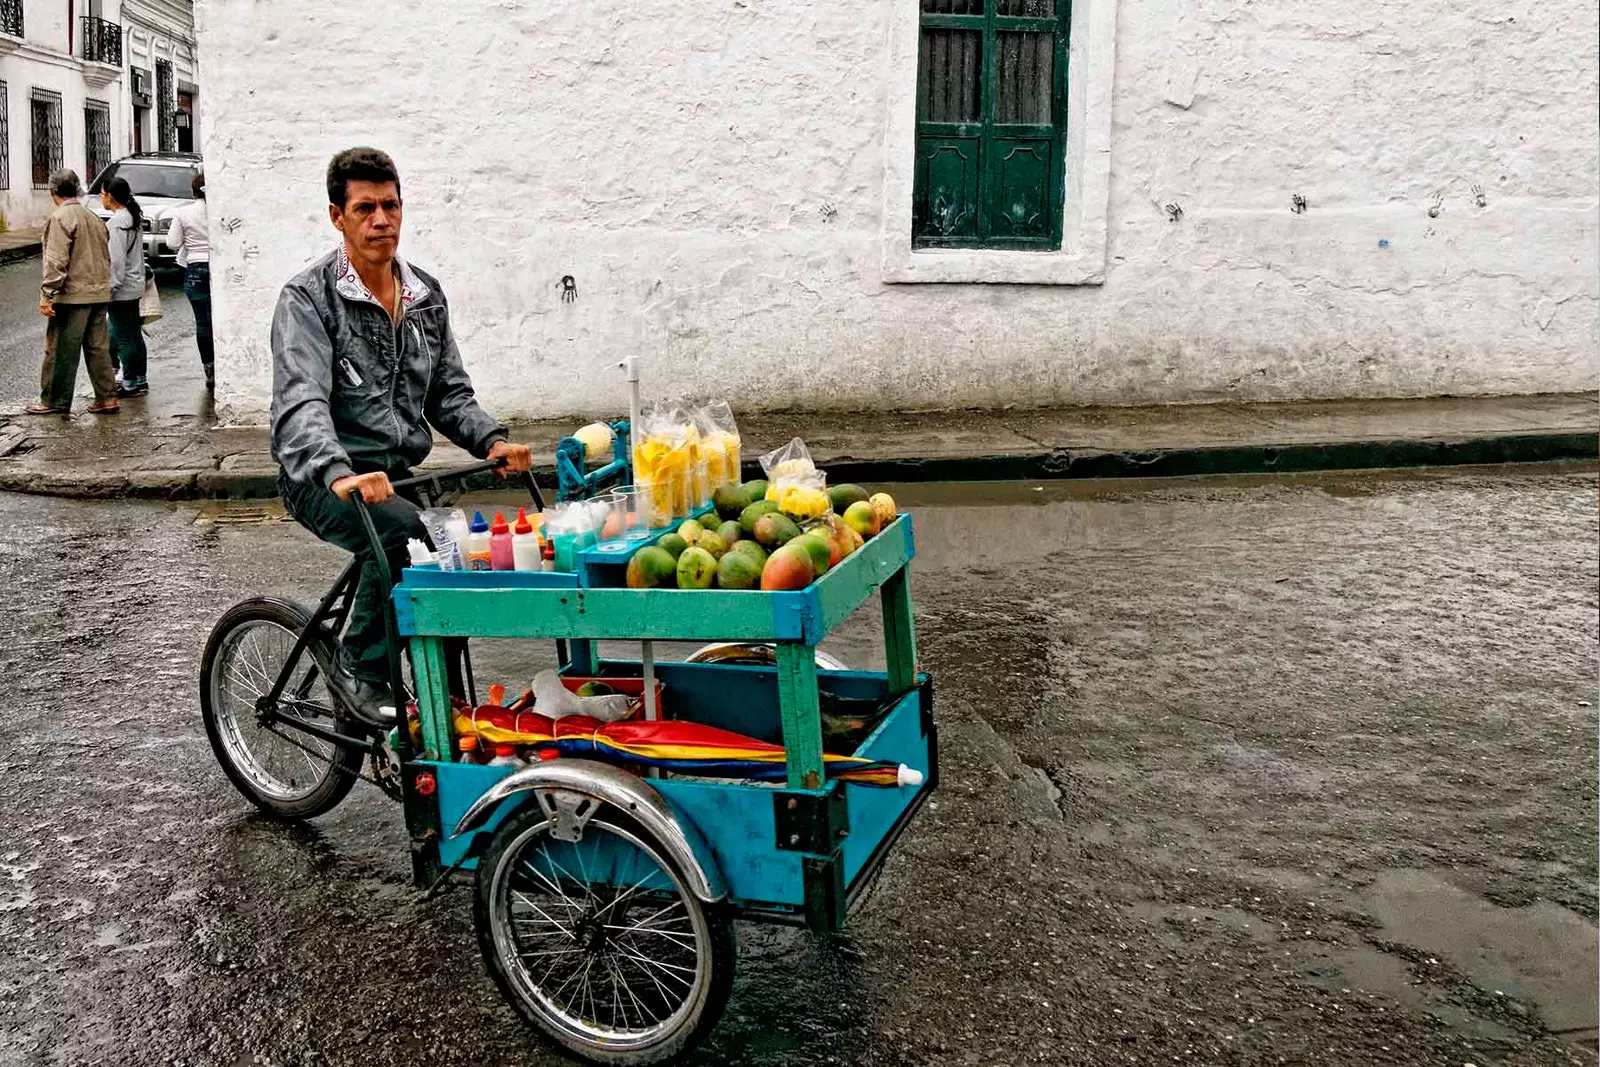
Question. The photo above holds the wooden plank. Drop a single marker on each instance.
(899, 632)
(802, 718)
(432, 684)
(845, 588)
(662, 614)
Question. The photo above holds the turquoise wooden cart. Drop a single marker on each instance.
(604, 898)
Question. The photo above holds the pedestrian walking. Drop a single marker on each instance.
(190, 238)
(128, 352)
(73, 297)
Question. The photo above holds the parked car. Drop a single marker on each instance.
(160, 181)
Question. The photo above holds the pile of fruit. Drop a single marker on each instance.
(763, 539)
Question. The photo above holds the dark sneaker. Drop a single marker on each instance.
(370, 702)
(132, 389)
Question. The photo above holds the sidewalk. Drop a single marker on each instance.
(134, 455)
(20, 244)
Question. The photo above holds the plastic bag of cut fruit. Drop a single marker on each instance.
(719, 443)
(794, 483)
(697, 487)
(657, 469)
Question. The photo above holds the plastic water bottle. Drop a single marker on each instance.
(505, 756)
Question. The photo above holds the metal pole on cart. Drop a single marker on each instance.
(647, 656)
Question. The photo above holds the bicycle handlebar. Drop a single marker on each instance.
(450, 475)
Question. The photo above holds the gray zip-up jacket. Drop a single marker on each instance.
(351, 392)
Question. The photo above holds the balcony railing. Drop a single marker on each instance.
(102, 40)
(11, 17)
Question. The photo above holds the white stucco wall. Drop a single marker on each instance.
(714, 176)
(42, 60)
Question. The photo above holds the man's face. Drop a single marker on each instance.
(369, 220)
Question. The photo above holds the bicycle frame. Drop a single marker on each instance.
(333, 610)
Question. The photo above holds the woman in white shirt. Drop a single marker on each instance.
(190, 238)
(126, 246)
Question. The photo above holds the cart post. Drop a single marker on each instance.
(899, 633)
(802, 715)
(431, 677)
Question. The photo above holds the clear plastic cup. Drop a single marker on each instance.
(655, 503)
(626, 514)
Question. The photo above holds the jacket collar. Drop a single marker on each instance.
(351, 287)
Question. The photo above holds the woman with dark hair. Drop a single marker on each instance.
(127, 285)
(190, 238)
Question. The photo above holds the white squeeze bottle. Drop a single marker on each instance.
(476, 550)
(525, 546)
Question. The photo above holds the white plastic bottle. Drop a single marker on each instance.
(525, 547)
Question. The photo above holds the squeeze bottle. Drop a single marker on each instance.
(476, 549)
(526, 552)
(500, 557)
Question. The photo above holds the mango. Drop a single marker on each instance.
(861, 518)
(817, 547)
(739, 570)
(729, 500)
(774, 530)
(749, 548)
(697, 569)
(673, 545)
(788, 568)
(748, 517)
(730, 532)
(755, 490)
(883, 507)
(712, 542)
(651, 567)
(842, 496)
(690, 531)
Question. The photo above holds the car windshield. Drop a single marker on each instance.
(149, 179)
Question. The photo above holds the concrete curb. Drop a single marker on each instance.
(1043, 465)
(20, 252)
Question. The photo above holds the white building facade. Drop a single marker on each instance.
(62, 98)
(931, 203)
(163, 75)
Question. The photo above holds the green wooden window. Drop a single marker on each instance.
(991, 119)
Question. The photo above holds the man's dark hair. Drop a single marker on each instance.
(197, 185)
(358, 165)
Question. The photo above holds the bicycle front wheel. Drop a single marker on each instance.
(285, 772)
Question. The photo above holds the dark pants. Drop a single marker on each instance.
(127, 340)
(197, 287)
(336, 522)
(72, 328)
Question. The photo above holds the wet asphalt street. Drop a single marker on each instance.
(177, 384)
(1255, 772)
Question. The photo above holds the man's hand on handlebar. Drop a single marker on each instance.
(374, 488)
(517, 458)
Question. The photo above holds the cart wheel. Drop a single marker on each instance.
(284, 772)
(594, 937)
(753, 653)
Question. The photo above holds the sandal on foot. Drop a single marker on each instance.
(104, 407)
(43, 409)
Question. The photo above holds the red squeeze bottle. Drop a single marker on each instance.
(501, 557)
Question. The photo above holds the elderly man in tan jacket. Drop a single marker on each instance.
(73, 297)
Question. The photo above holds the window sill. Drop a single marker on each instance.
(903, 265)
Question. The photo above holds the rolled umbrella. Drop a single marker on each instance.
(666, 744)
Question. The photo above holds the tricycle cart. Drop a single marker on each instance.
(604, 896)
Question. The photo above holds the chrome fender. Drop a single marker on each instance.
(570, 791)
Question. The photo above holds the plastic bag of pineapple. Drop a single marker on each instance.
(794, 483)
